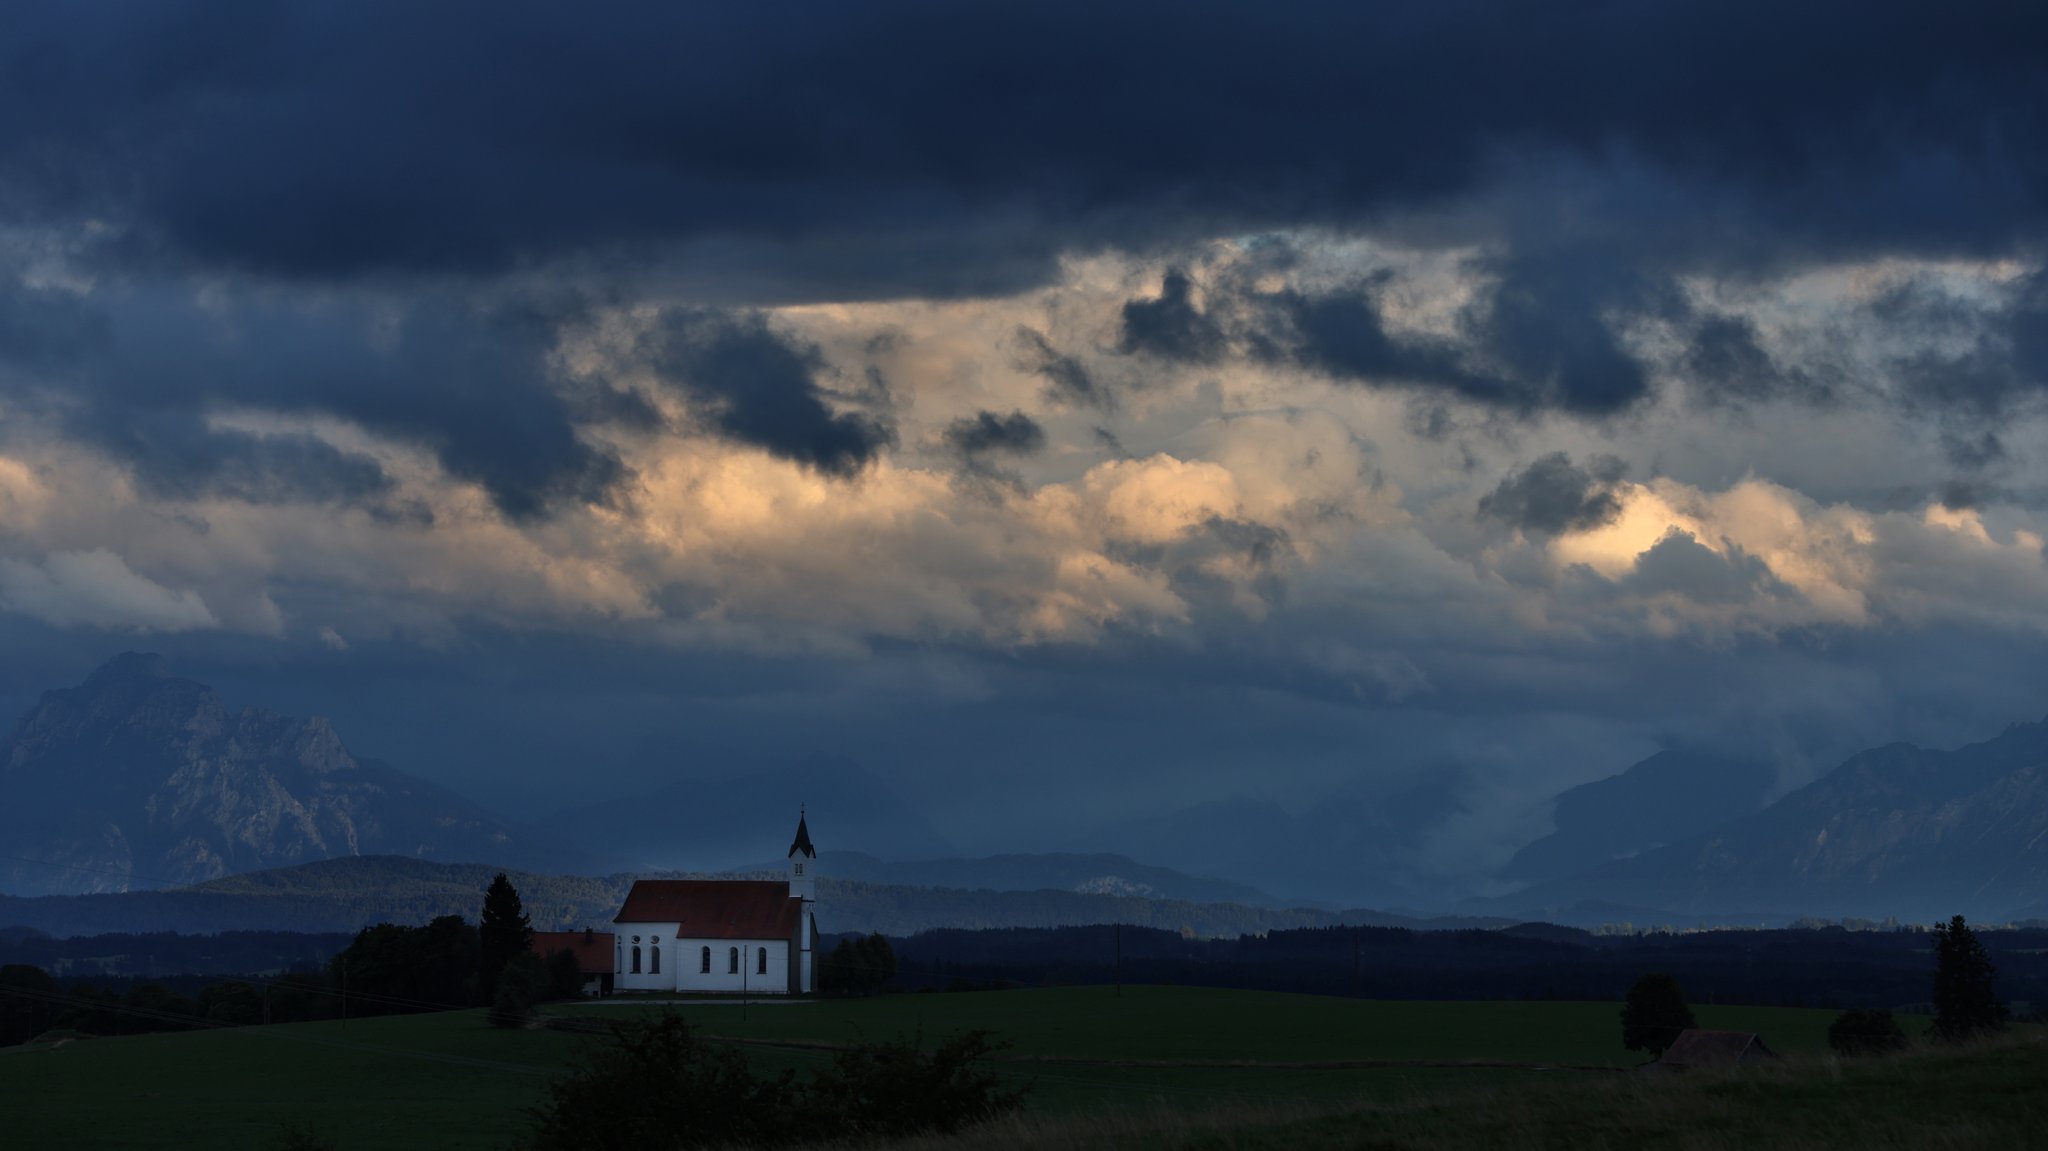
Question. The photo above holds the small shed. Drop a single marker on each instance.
(1699, 1047)
(593, 951)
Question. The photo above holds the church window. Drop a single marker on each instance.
(799, 869)
(636, 957)
(761, 967)
(654, 955)
(732, 961)
(706, 969)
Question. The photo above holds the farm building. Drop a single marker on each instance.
(1697, 1048)
(593, 951)
(744, 936)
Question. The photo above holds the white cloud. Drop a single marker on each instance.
(98, 589)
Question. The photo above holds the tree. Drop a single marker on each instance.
(858, 966)
(522, 983)
(1865, 1031)
(505, 932)
(1654, 1014)
(1965, 985)
(565, 975)
(231, 1004)
(28, 1003)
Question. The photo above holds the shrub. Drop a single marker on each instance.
(658, 1085)
(1865, 1031)
(895, 1089)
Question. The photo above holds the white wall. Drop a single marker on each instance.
(690, 977)
(682, 958)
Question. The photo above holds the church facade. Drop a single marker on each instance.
(722, 936)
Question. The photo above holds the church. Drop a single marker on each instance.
(744, 936)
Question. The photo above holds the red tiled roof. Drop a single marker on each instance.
(715, 908)
(1699, 1047)
(592, 949)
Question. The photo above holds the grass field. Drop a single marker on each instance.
(448, 1081)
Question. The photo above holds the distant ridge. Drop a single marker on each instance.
(347, 894)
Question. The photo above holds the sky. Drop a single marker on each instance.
(1073, 413)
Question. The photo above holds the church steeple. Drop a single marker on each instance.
(802, 862)
(803, 839)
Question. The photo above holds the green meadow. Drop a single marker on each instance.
(1093, 1057)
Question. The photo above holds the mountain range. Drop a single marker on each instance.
(1895, 831)
(138, 778)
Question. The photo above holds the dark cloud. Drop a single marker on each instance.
(1069, 381)
(176, 455)
(1542, 336)
(986, 432)
(1681, 565)
(1727, 364)
(761, 389)
(1170, 326)
(1555, 496)
(904, 146)
(143, 368)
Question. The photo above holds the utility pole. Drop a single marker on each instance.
(1119, 959)
(344, 995)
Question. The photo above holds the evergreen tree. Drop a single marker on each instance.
(505, 932)
(1654, 1014)
(1965, 984)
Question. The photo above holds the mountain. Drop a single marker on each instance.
(1897, 830)
(138, 778)
(1348, 848)
(713, 818)
(346, 894)
(1668, 798)
(1087, 874)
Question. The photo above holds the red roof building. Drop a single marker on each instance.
(721, 936)
(594, 952)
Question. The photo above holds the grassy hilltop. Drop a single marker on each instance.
(1158, 1066)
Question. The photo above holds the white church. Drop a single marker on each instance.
(745, 936)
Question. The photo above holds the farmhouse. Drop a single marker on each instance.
(593, 951)
(743, 936)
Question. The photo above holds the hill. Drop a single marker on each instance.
(137, 778)
(349, 893)
(1098, 873)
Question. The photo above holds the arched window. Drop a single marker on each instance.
(799, 869)
(707, 961)
(732, 961)
(761, 962)
(654, 964)
(636, 959)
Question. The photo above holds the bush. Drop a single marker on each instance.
(659, 1085)
(891, 1090)
(1865, 1031)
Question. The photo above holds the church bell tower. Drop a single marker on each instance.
(803, 860)
(803, 866)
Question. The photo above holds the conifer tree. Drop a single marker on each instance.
(505, 932)
(1965, 984)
